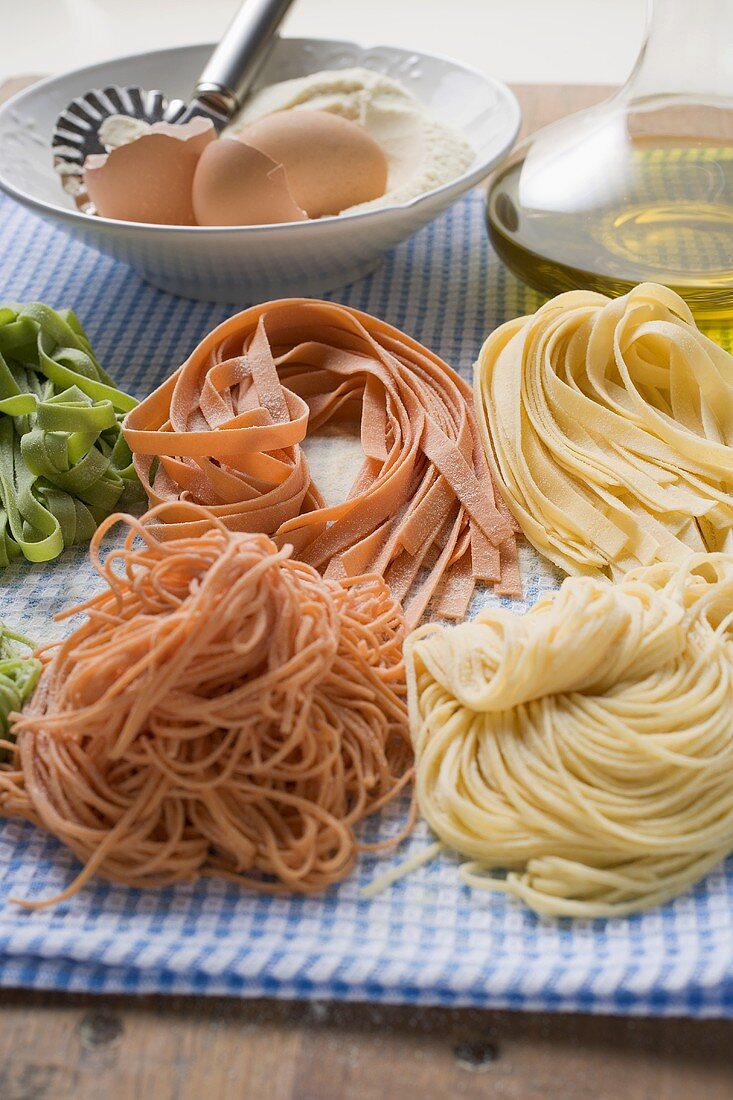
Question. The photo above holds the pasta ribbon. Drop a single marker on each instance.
(608, 424)
(585, 748)
(19, 672)
(225, 431)
(64, 464)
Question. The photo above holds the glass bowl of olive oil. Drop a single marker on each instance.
(639, 187)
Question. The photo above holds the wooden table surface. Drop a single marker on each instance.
(69, 1047)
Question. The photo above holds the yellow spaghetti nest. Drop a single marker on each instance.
(609, 426)
(586, 747)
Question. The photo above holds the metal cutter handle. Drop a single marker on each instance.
(234, 63)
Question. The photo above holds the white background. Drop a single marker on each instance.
(581, 41)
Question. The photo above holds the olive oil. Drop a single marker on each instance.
(662, 211)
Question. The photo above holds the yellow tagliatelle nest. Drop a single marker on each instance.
(609, 425)
(587, 746)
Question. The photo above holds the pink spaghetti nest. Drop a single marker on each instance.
(222, 710)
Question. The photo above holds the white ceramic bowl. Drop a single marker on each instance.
(254, 262)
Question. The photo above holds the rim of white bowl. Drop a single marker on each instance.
(470, 178)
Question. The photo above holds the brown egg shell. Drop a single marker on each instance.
(235, 184)
(330, 162)
(150, 179)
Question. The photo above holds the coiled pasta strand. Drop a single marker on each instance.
(585, 748)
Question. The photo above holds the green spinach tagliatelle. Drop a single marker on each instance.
(64, 464)
(19, 673)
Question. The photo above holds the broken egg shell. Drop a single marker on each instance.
(330, 162)
(235, 184)
(150, 179)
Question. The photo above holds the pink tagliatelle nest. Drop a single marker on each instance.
(226, 431)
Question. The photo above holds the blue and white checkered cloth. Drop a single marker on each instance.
(427, 940)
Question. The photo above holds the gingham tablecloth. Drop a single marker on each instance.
(427, 940)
